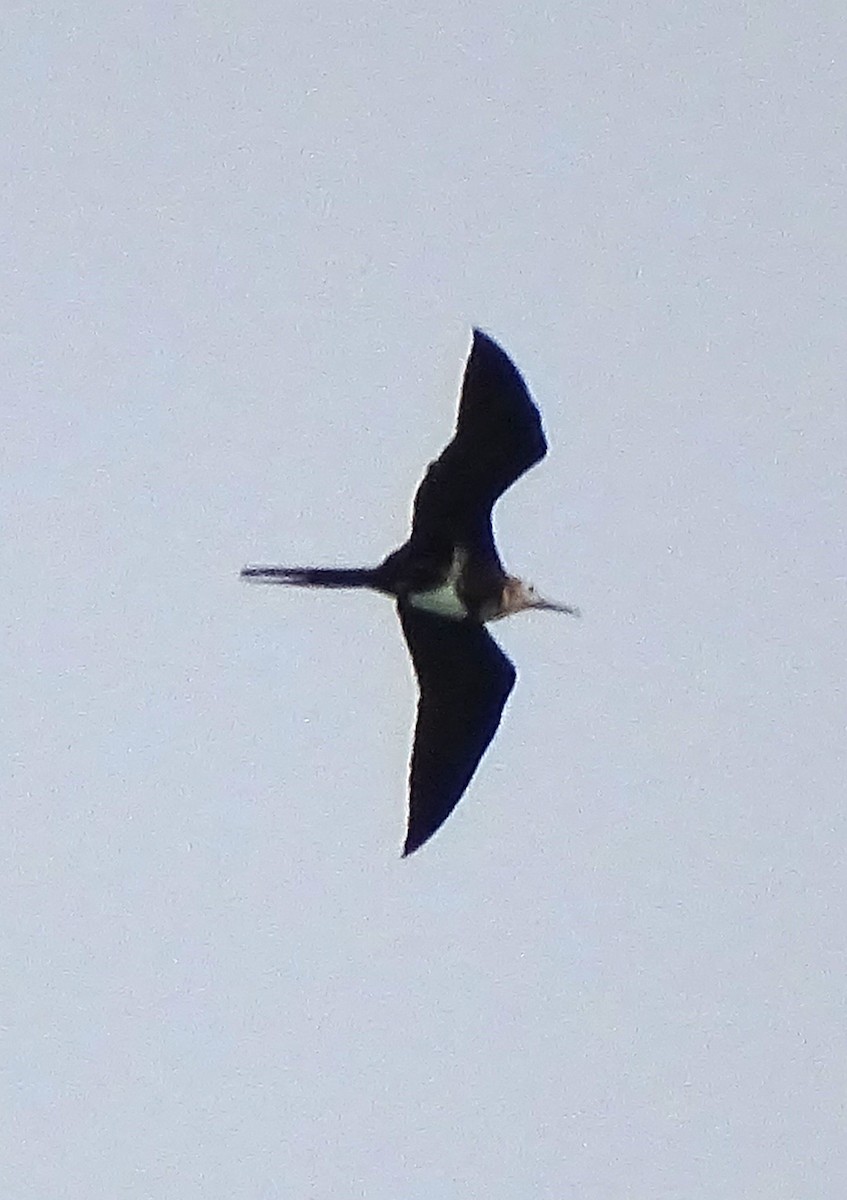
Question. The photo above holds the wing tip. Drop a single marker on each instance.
(413, 843)
(480, 335)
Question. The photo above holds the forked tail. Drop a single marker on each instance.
(322, 577)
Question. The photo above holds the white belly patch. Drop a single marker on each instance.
(444, 600)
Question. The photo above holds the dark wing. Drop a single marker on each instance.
(465, 680)
(498, 437)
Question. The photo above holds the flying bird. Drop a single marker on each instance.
(448, 582)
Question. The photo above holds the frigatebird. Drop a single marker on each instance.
(448, 581)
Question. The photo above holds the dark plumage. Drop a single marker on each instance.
(448, 580)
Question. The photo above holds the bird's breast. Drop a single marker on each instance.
(444, 600)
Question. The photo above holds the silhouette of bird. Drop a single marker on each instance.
(448, 581)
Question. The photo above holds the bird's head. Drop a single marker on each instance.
(519, 596)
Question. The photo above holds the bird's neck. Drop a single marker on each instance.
(503, 604)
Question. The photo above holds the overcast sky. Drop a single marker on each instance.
(243, 247)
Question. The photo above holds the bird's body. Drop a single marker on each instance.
(448, 581)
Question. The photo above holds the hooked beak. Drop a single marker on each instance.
(552, 606)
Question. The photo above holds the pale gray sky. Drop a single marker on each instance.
(242, 253)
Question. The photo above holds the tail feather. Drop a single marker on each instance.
(322, 577)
